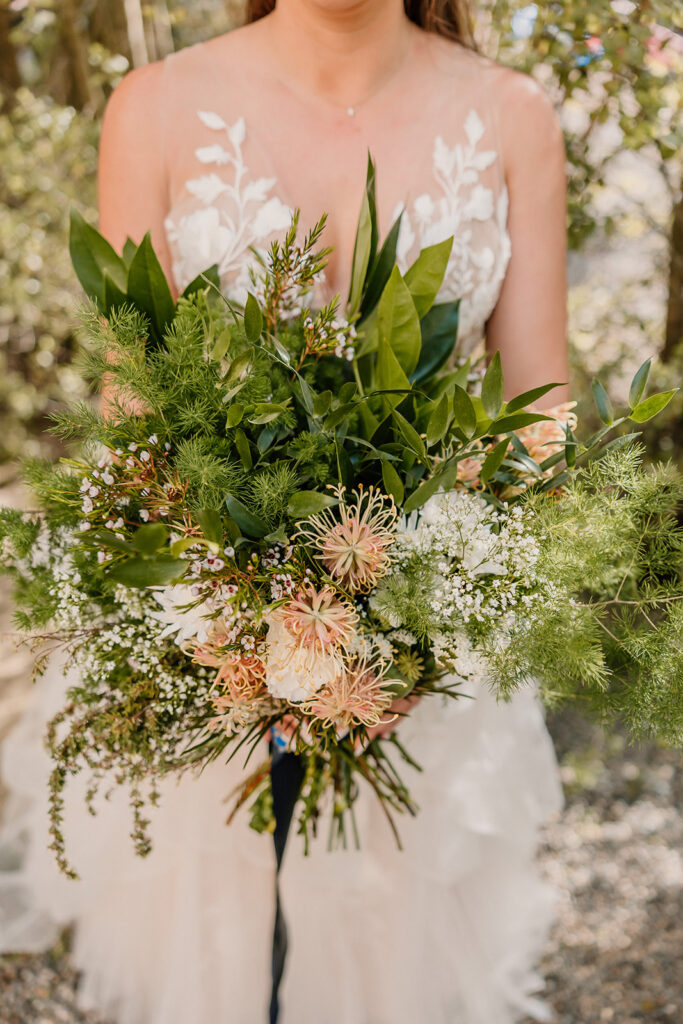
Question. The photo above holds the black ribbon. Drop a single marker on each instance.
(286, 777)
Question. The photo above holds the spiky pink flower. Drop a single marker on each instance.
(318, 619)
(358, 695)
(239, 674)
(353, 540)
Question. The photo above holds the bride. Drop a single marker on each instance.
(211, 150)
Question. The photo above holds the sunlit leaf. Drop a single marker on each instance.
(492, 387)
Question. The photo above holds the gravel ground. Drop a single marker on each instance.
(615, 858)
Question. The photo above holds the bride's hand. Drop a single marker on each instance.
(398, 710)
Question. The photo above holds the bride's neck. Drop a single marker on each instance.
(339, 49)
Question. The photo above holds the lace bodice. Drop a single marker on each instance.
(226, 198)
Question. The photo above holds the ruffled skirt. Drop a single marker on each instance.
(446, 932)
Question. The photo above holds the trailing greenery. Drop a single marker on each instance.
(261, 470)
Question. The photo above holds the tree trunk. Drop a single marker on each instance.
(163, 36)
(10, 79)
(109, 26)
(136, 32)
(674, 313)
(73, 60)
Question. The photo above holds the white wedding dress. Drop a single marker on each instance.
(445, 932)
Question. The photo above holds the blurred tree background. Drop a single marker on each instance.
(613, 67)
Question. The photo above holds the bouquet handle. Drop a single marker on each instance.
(286, 775)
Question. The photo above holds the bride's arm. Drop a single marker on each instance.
(528, 325)
(132, 185)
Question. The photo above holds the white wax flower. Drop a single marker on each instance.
(187, 623)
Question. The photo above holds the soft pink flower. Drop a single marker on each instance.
(318, 619)
(353, 541)
(547, 437)
(358, 695)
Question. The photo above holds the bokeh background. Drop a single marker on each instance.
(614, 69)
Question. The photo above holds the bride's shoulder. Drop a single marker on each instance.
(519, 102)
(145, 92)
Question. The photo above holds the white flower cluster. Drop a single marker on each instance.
(483, 560)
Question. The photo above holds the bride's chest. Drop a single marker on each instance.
(233, 186)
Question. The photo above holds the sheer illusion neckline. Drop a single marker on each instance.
(230, 199)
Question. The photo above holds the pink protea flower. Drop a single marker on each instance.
(547, 437)
(357, 696)
(353, 540)
(239, 674)
(318, 619)
(468, 471)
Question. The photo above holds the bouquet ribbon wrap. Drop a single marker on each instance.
(287, 775)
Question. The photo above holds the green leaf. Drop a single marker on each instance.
(389, 374)
(515, 422)
(363, 245)
(266, 438)
(307, 503)
(235, 415)
(380, 270)
(249, 524)
(243, 449)
(492, 388)
(392, 482)
(602, 402)
(439, 328)
(439, 420)
(651, 406)
(107, 539)
(114, 298)
(464, 412)
(148, 572)
(212, 524)
(129, 250)
(208, 278)
(339, 414)
(348, 391)
(322, 403)
(181, 545)
(253, 319)
(529, 397)
(639, 383)
(425, 276)
(220, 348)
(149, 538)
(266, 412)
(281, 351)
(398, 322)
(149, 289)
(571, 446)
(92, 256)
(307, 397)
(494, 459)
(239, 367)
(278, 536)
(232, 392)
(462, 373)
(425, 491)
(410, 435)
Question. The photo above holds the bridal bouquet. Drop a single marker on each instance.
(290, 524)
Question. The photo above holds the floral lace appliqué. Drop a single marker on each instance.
(232, 219)
(467, 210)
(225, 215)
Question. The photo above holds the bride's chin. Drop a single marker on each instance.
(343, 7)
